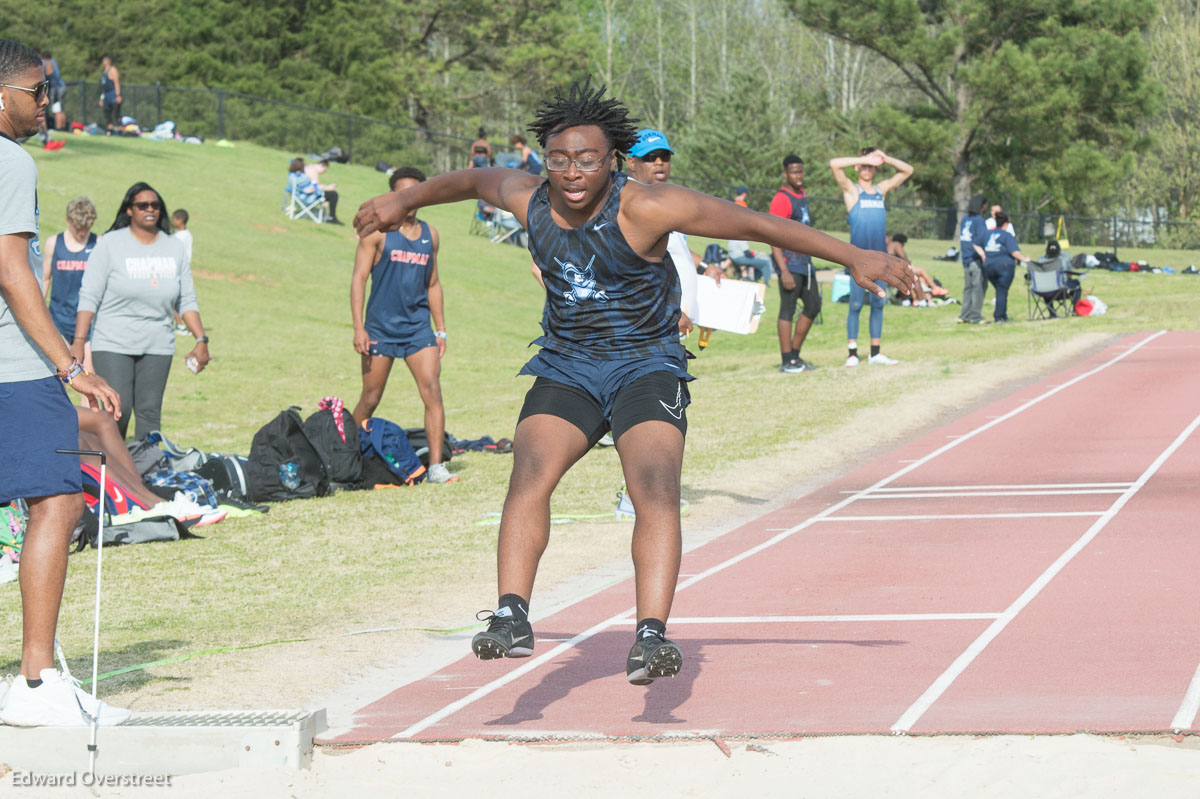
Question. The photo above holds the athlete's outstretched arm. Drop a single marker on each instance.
(665, 207)
(504, 188)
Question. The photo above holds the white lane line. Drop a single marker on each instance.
(878, 617)
(925, 517)
(935, 494)
(1004, 487)
(479, 693)
(939, 686)
(535, 662)
(1185, 718)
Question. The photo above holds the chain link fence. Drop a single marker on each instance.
(293, 127)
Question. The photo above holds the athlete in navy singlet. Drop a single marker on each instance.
(797, 278)
(867, 215)
(405, 295)
(610, 357)
(62, 268)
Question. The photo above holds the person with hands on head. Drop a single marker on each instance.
(610, 355)
(405, 296)
(867, 216)
(137, 277)
(36, 417)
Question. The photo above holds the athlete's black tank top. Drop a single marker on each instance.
(603, 300)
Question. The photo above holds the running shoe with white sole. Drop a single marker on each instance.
(58, 702)
(505, 637)
(652, 657)
(879, 359)
(793, 368)
(438, 473)
(852, 361)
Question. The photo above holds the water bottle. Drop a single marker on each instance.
(289, 475)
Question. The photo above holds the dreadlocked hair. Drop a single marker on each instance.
(16, 57)
(583, 105)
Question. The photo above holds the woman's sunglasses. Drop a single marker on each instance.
(153, 205)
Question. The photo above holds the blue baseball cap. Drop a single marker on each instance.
(648, 141)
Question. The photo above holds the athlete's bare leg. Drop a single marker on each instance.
(426, 368)
(375, 371)
(43, 574)
(544, 448)
(652, 460)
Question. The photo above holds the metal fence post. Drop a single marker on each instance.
(220, 113)
(158, 103)
(1114, 235)
(349, 136)
(83, 102)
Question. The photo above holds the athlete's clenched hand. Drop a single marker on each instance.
(383, 213)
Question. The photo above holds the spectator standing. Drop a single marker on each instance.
(314, 171)
(530, 161)
(650, 163)
(866, 214)
(179, 219)
(58, 90)
(797, 278)
(137, 276)
(405, 296)
(972, 236)
(991, 220)
(481, 151)
(66, 257)
(36, 418)
(110, 94)
(999, 265)
(740, 196)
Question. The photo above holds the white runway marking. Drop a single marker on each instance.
(535, 662)
(932, 516)
(879, 617)
(1061, 492)
(1007, 487)
(1185, 718)
(939, 686)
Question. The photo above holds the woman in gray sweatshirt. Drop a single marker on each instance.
(137, 275)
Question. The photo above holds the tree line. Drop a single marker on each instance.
(1085, 107)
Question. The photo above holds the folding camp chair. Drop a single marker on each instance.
(303, 198)
(505, 226)
(1051, 294)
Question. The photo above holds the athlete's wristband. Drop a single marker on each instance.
(439, 334)
(71, 372)
(202, 339)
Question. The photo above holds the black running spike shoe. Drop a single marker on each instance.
(505, 637)
(652, 657)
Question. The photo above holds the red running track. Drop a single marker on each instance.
(1030, 567)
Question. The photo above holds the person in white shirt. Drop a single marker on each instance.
(990, 222)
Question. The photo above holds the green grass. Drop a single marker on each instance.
(274, 298)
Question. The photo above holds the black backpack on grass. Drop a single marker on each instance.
(344, 457)
(280, 451)
(419, 440)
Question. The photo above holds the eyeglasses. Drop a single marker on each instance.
(657, 155)
(40, 92)
(153, 205)
(588, 163)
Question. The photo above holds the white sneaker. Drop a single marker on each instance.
(852, 361)
(879, 359)
(57, 702)
(438, 473)
(185, 509)
(8, 569)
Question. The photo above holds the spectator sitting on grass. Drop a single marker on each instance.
(896, 242)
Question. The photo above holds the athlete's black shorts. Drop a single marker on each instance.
(657, 396)
(806, 291)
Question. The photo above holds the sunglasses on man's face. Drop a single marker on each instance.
(154, 205)
(657, 155)
(40, 92)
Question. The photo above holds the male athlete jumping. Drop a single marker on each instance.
(611, 357)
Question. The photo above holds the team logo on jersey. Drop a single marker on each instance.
(582, 282)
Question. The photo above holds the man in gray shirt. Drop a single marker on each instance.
(36, 418)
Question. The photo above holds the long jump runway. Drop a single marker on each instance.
(1030, 567)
